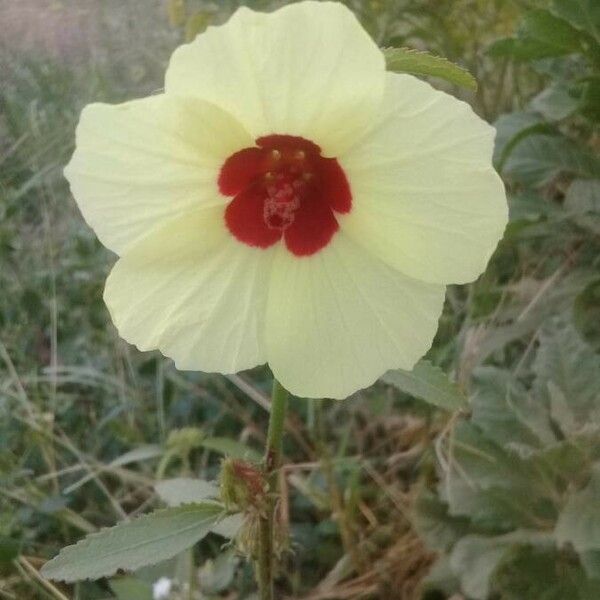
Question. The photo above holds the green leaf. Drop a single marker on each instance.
(229, 526)
(130, 545)
(555, 102)
(566, 371)
(583, 196)
(183, 490)
(581, 14)
(507, 414)
(435, 526)
(473, 559)
(229, 447)
(538, 159)
(130, 588)
(416, 62)
(579, 521)
(428, 383)
(533, 573)
(476, 558)
(540, 35)
(512, 126)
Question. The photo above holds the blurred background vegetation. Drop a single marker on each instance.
(384, 497)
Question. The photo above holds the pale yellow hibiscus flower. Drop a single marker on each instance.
(286, 200)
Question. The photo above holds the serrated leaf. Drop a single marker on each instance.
(428, 382)
(130, 545)
(183, 490)
(229, 526)
(416, 62)
(229, 447)
(579, 521)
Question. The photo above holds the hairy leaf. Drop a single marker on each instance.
(579, 522)
(147, 540)
(183, 490)
(416, 62)
(428, 383)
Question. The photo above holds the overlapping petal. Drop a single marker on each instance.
(194, 292)
(337, 320)
(307, 69)
(350, 287)
(426, 199)
(141, 162)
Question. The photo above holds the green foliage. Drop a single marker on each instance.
(183, 490)
(144, 541)
(519, 484)
(415, 62)
(428, 383)
(85, 419)
(540, 144)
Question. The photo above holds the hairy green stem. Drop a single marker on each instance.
(265, 569)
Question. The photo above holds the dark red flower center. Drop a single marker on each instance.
(283, 187)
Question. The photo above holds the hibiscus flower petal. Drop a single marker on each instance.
(194, 292)
(245, 219)
(425, 197)
(313, 227)
(240, 170)
(293, 71)
(140, 162)
(337, 320)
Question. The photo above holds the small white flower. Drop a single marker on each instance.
(161, 588)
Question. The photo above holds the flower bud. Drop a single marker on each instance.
(243, 485)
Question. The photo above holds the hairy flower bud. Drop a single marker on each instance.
(243, 485)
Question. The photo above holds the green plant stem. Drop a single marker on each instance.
(266, 550)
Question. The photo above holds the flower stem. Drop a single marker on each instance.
(266, 552)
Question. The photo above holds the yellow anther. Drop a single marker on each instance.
(300, 155)
(275, 154)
